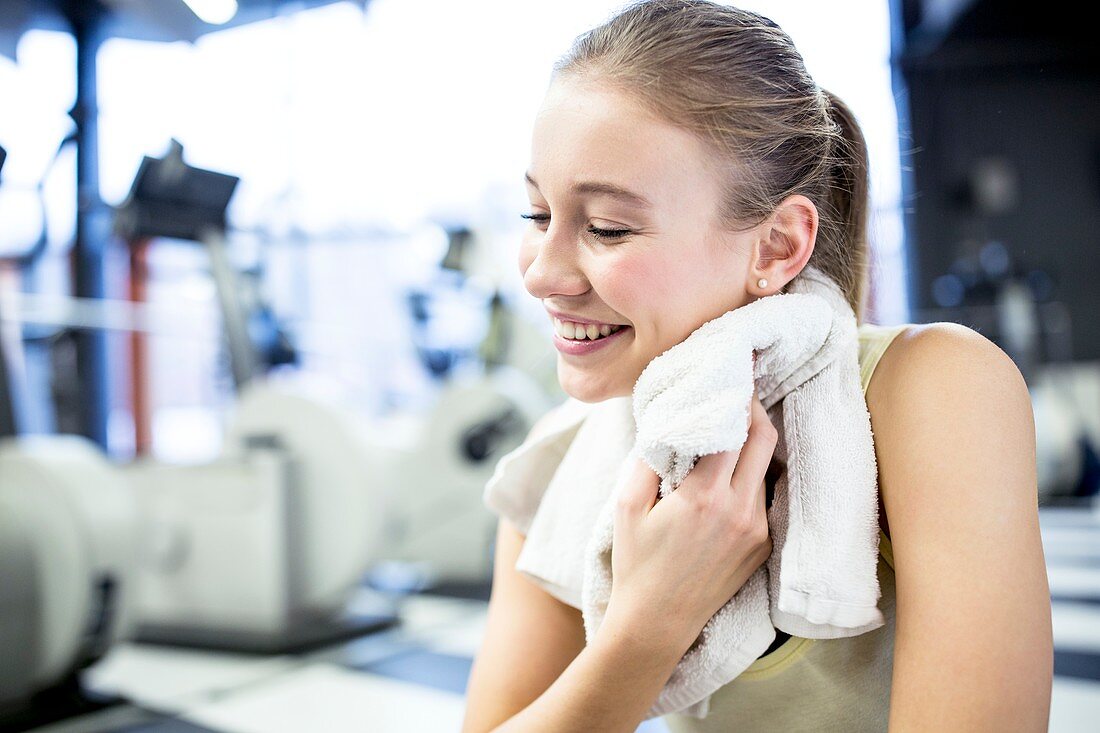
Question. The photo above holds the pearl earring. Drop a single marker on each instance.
(761, 283)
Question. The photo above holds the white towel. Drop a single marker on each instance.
(693, 400)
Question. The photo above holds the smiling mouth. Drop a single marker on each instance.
(584, 331)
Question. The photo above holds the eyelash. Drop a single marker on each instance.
(594, 231)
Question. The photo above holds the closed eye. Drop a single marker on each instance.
(608, 233)
(594, 231)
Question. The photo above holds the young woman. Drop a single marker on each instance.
(684, 164)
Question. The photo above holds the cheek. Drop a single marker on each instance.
(648, 291)
(668, 298)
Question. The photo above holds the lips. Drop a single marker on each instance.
(580, 319)
(579, 347)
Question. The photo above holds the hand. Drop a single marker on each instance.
(676, 561)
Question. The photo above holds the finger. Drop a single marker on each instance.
(640, 492)
(757, 452)
(721, 464)
(714, 465)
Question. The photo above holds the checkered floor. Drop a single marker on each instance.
(412, 677)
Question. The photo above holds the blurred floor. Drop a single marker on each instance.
(1071, 542)
(412, 678)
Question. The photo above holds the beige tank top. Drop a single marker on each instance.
(817, 685)
(805, 685)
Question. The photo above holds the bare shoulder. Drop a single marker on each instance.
(940, 380)
(941, 355)
(945, 390)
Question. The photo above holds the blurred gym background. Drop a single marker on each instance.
(263, 336)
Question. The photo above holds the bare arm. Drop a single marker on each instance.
(955, 440)
(609, 686)
(534, 672)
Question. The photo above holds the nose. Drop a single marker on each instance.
(550, 266)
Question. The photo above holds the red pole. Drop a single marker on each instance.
(140, 402)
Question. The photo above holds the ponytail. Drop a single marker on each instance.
(849, 197)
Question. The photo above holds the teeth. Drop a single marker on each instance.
(582, 331)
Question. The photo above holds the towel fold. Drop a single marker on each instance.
(693, 400)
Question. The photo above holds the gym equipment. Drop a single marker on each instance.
(260, 549)
(68, 539)
(67, 561)
(327, 493)
(441, 461)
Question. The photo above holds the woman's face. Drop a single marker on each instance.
(625, 230)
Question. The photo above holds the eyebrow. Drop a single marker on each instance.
(603, 188)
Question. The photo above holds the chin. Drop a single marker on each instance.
(583, 387)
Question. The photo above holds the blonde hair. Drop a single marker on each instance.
(735, 79)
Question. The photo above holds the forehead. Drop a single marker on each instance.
(589, 131)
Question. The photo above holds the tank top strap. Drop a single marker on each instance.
(874, 339)
(873, 342)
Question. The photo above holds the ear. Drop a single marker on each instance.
(785, 244)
